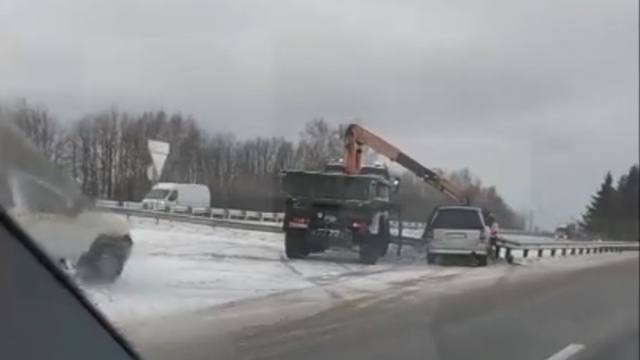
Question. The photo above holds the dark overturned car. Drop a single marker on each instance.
(332, 209)
(90, 244)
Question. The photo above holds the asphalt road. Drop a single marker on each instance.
(588, 314)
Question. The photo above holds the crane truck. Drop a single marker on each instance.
(349, 204)
(357, 137)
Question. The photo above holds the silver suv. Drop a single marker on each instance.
(459, 230)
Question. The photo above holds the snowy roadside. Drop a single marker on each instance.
(179, 268)
(218, 323)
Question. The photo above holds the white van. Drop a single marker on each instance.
(165, 195)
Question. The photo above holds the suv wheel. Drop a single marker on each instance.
(481, 260)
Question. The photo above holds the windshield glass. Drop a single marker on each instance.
(157, 194)
(32, 194)
(524, 111)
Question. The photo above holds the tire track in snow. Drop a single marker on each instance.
(222, 255)
(285, 262)
(325, 281)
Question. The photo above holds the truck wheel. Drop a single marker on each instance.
(294, 245)
(384, 248)
(369, 251)
(482, 260)
(385, 238)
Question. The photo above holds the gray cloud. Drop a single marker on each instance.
(539, 98)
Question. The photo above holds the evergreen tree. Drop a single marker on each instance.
(613, 212)
(617, 221)
(601, 211)
(628, 205)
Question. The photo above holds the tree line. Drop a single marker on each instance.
(106, 153)
(613, 211)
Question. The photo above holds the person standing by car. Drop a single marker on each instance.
(494, 228)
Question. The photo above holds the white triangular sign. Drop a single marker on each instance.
(159, 151)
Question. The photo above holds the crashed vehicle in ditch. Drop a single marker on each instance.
(336, 210)
(89, 244)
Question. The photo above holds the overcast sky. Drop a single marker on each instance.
(537, 97)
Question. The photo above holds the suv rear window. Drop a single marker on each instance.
(457, 219)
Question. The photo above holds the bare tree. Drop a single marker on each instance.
(319, 144)
(106, 153)
(38, 126)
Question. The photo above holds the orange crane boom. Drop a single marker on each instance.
(356, 138)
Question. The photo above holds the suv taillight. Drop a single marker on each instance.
(483, 236)
(428, 234)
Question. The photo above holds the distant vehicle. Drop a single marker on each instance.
(164, 195)
(567, 231)
(460, 230)
(333, 209)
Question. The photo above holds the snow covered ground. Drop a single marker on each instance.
(179, 268)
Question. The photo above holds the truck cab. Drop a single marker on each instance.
(335, 210)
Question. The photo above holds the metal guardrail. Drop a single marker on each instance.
(562, 248)
(195, 219)
(228, 223)
(216, 213)
(270, 218)
(241, 220)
